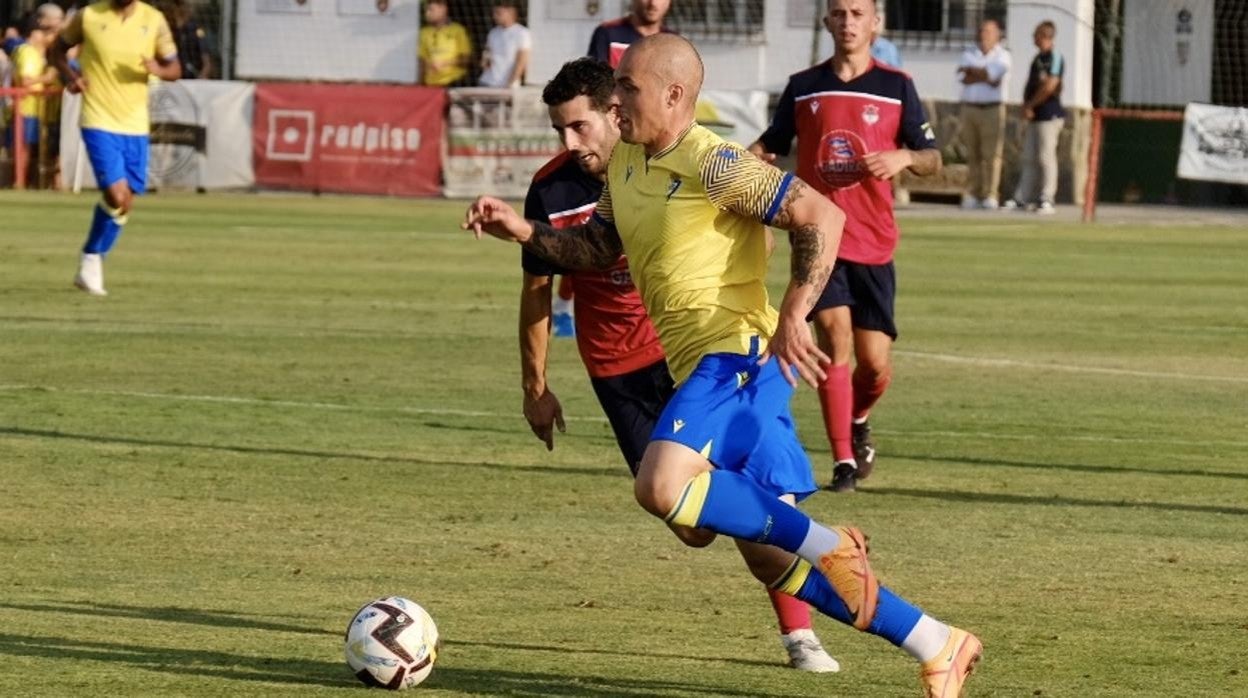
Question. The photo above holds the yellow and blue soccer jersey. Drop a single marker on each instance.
(113, 51)
(692, 222)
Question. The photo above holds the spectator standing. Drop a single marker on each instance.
(612, 38)
(507, 48)
(982, 72)
(1044, 116)
(445, 49)
(31, 71)
(882, 49)
(191, 40)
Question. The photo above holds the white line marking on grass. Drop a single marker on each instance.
(1087, 438)
(232, 400)
(1068, 368)
(452, 412)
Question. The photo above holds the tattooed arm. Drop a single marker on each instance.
(593, 245)
(739, 182)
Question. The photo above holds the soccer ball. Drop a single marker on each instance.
(392, 643)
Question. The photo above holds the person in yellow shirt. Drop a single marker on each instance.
(31, 71)
(689, 209)
(124, 44)
(445, 49)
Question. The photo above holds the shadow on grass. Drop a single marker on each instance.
(169, 614)
(309, 672)
(618, 653)
(1056, 500)
(614, 472)
(1073, 467)
(520, 683)
(189, 662)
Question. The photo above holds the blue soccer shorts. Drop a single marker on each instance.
(117, 156)
(736, 414)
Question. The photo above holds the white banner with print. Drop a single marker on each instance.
(1167, 51)
(1215, 144)
(201, 137)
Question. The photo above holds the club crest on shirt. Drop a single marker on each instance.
(628, 173)
(814, 106)
(673, 186)
(839, 160)
(870, 114)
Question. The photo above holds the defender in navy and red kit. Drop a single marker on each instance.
(858, 123)
(616, 341)
(613, 37)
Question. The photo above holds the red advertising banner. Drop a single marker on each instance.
(355, 139)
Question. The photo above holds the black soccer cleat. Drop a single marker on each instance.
(843, 479)
(864, 450)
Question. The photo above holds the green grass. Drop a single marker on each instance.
(291, 405)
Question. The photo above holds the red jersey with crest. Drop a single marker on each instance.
(836, 123)
(613, 331)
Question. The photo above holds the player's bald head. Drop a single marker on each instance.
(670, 59)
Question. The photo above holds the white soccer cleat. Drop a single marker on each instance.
(807, 654)
(1045, 209)
(90, 277)
(989, 204)
(1010, 205)
(969, 203)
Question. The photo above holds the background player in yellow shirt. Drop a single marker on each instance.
(124, 42)
(689, 211)
(445, 49)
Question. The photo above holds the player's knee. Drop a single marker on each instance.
(693, 537)
(874, 371)
(652, 494)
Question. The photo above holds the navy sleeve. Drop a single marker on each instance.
(778, 138)
(916, 133)
(535, 211)
(600, 45)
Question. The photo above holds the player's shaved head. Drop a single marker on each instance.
(673, 60)
(657, 84)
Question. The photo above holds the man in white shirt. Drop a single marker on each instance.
(982, 72)
(506, 48)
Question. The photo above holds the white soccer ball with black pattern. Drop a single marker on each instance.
(392, 643)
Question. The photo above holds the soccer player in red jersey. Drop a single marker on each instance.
(612, 38)
(858, 123)
(617, 342)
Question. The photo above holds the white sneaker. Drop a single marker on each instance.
(90, 277)
(1010, 205)
(989, 204)
(969, 203)
(807, 654)
(1045, 209)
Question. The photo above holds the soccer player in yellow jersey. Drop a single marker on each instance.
(689, 211)
(124, 43)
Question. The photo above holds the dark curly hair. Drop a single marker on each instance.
(583, 76)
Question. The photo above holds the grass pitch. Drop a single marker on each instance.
(289, 406)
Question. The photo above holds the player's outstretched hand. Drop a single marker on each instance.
(490, 216)
(796, 350)
(544, 414)
(885, 164)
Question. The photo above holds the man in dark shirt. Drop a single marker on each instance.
(1044, 116)
(191, 40)
(613, 37)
